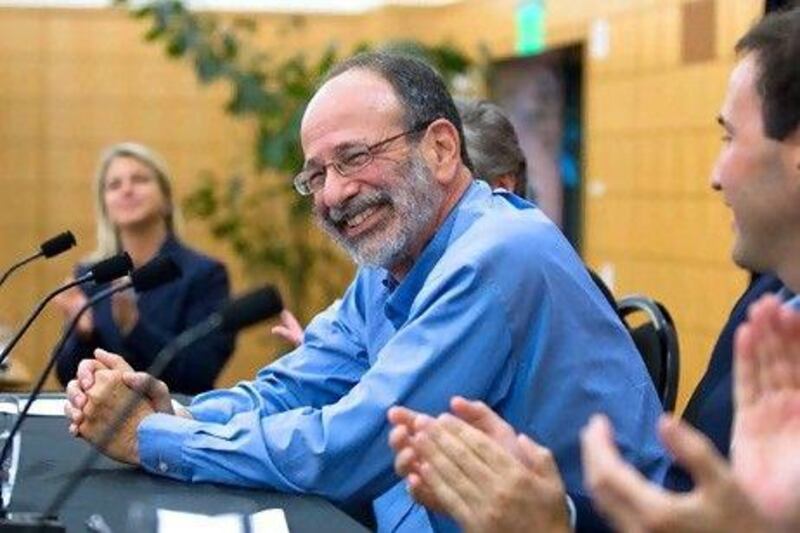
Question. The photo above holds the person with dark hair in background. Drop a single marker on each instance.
(136, 213)
(460, 291)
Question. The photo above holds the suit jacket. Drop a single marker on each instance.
(710, 409)
(164, 312)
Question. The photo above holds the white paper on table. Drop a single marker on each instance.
(267, 521)
(180, 522)
(44, 406)
(49, 406)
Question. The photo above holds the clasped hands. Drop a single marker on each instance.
(101, 390)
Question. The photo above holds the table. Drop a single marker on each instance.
(49, 455)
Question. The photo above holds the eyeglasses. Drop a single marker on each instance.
(351, 160)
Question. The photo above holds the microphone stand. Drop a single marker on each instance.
(106, 270)
(49, 248)
(254, 307)
(21, 331)
(162, 360)
(18, 265)
(32, 521)
(37, 389)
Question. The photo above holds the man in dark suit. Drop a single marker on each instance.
(758, 175)
(710, 409)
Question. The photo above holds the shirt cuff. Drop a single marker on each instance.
(161, 440)
(573, 513)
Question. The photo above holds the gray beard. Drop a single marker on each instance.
(414, 199)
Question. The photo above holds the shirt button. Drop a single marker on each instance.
(162, 467)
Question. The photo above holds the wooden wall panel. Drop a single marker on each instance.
(651, 142)
(72, 82)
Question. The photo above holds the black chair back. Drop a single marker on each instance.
(657, 342)
(656, 339)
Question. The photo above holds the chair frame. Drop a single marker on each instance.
(667, 338)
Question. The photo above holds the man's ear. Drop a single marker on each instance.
(796, 149)
(442, 150)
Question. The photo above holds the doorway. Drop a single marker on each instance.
(542, 96)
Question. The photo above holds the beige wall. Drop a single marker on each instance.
(72, 82)
(651, 140)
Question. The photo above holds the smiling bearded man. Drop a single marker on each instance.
(461, 291)
(412, 200)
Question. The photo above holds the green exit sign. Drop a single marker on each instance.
(530, 27)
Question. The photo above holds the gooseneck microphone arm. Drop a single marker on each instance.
(19, 264)
(162, 360)
(106, 270)
(254, 307)
(154, 274)
(31, 317)
(37, 389)
(49, 248)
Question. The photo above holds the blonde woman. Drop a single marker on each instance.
(136, 213)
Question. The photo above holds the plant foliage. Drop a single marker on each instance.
(266, 224)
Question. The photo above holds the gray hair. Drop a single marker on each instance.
(108, 240)
(419, 88)
(492, 142)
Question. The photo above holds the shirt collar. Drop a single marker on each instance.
(789, 298)
(399, 302)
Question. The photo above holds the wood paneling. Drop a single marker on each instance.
(651, 142)
(72, 82)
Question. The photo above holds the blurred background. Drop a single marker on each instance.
(614, 102)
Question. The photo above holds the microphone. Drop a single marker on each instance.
(155, 273)
(159, 271)
(251, 308)
(60, 243)
(102, 272)
(49, 248)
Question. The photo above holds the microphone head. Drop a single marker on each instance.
(155, 273)
(251, 308)
(60, 243)
(111, 268)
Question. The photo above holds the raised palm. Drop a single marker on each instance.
(766, 431)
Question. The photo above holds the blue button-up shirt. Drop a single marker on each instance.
(789, 298)
(498, 307)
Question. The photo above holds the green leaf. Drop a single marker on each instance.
(202, 202)
(272, 92)
(249, 95)
(230, 47)
(177, 44)
(138, 13)
(154, 33)
(271, 149)
(207, 66)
